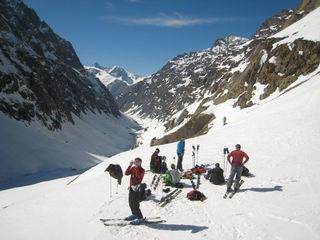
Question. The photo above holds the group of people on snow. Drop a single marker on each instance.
(236, 158)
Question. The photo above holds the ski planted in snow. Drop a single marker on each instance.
(193, 184)
(198, 181)
(153, 180)
(156, 183)
(169, 199)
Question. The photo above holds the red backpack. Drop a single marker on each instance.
(195, 195)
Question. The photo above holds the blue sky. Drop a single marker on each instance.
(142, 35)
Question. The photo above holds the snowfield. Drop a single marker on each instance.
(34, 148)
(281, 135)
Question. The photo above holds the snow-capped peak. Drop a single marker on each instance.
(115, 78)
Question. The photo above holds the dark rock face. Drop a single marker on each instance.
(196, 126)
(41, 76)
(231, 69)
(273, 24)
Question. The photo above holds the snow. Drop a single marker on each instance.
(107, 75)
(273, 60)
(198, 70)
(258, 92)
(41, 150)
(281, 134)
(241, 67)
(280, 202)
(307, 28)
(264, 57)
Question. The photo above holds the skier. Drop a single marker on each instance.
(155, 163)
(236, 167)
(175, 176)
(180, 152)
(215, 175)
(137, 173)
(224, 120)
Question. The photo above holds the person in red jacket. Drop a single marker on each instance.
(136, 173)
(239, 158)
(155, 163)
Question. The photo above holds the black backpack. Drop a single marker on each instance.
(245, 172)
(142, 192)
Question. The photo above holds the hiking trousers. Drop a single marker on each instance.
(236, 171)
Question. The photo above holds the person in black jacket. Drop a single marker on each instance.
(215, 175)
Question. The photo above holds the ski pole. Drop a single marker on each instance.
(224, 164)
(193, 159)
(110, 187)
(117, 188)
(198, 146)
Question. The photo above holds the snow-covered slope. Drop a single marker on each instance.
(307, 28)
(27, 149)
(281, 136)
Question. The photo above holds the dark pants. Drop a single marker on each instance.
(235, 171)
(179, 165)
(134, 203)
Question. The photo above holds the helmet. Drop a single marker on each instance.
(238, 146)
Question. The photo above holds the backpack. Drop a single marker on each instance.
(198, 170)
(245, 172)
(167, 179)
(195, 195)
(142, 192)
(115, 171)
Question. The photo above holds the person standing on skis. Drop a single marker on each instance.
(180, 153)
(136, 173)
(239, 158)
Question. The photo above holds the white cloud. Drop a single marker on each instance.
(164, 20)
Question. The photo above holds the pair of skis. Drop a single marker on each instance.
(231, 194)
(194, 151)
(121, 222)
(155, 181)
(168, 198)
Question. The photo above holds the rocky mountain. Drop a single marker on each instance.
(51, 110)
(115, 78)
(41, 75)
(234, 69)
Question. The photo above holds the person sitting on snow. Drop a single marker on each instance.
(176, 175)
(215, 175)
(155, 163)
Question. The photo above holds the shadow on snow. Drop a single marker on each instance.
(267, 189)
(178, 227)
